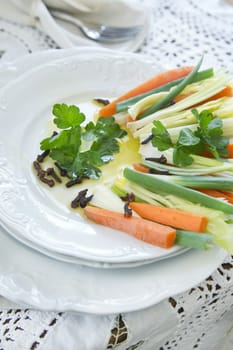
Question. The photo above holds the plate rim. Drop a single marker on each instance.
(22, 295)
(129, 261)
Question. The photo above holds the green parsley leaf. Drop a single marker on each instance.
(161, 138)
(211, 134)
(187, 138)
(81, 150)
(181, 156)
(67, 116)
(207, 136)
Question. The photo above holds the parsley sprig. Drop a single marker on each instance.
(207, 137)
(82, 150)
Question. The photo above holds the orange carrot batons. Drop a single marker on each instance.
(217, 194)
(169, 216)
(145, 230)
(158, 80)
(141, 168)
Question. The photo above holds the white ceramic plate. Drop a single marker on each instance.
(30, 278)
(12, 70)
(30, 210)
(26, 207)
(91, 263)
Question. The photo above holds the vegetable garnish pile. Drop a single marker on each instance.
(181, 190)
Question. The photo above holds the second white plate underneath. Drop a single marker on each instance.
(30, 278)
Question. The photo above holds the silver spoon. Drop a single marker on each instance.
(99, 32)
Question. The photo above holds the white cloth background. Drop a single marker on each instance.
(200, 318)
(36, 13)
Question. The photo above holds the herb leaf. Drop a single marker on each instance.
(81, 150)
(211, 134)
(67, 116)
(161, 138)
(187, 138)
(181, 156)
(207, 137)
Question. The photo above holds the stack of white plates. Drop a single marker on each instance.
(50, 256)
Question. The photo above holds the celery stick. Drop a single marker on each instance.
(193, 239)
(122, 193)
(202, 170)
(118, 191)
(156, 184)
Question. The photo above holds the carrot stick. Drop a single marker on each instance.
(179, 98)
(218, 194)
(210, 192)
(228, 196)
(229, 148)
(170, 216)
(226, 92)
(129, 119)
(145, 230)
(140, 168)
(158, 80)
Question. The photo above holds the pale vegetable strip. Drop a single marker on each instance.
(191, 170)
(222, 108)
(208, 88)
(173, 92)
(158, 80)
(155, 184)
(125, 104)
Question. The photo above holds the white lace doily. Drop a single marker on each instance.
(18, 40)
(201, 318)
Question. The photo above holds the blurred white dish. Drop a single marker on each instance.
(119, 13)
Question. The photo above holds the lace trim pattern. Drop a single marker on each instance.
(182, 30)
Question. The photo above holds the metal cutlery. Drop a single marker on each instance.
(99, 32)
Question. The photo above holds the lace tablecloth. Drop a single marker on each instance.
(200, 318)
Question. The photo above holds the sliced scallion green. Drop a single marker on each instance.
(156, 184)
(193, 239)
(208, 182)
